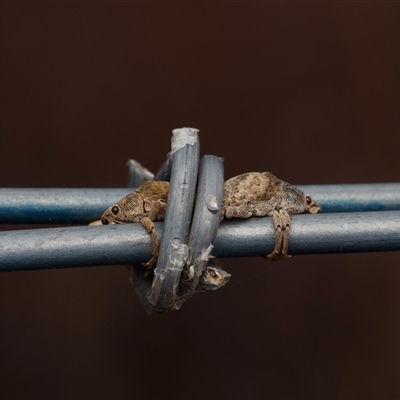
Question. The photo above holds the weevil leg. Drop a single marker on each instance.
(278, 236)
(282, 231)
(286, 224)
(150, 227)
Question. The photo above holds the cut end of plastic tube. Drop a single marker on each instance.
(182, 137)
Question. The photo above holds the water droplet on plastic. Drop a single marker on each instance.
(175, 242)
(178, 257)
(191, 271)
(160, 276)
(184, 186)
(211, 203)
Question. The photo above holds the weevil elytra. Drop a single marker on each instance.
(262, 193)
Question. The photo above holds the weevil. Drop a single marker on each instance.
(250, 194)
(146, 204)
(262, 193)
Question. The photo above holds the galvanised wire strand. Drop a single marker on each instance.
(81, 206)
(125, 244)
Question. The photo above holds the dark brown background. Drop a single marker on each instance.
(309, 91)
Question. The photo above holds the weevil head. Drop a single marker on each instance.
(128, 209)
(310, 205)
(113, 215)
(294, 201)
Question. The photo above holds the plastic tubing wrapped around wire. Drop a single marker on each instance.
(206, 218)
(137, 174)
(164, 173)
(205, 223)
(173, 253)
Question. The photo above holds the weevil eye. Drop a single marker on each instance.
(308, 200)
(115, 210)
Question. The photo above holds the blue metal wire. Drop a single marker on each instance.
(81, 206)
(130, 243)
